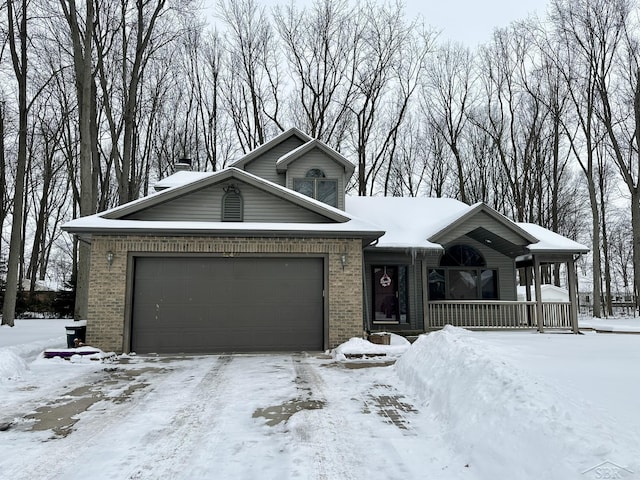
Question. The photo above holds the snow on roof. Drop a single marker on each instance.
(180, 178)
(550, 241)
(228, 173)
(96, 223)
(408, 221)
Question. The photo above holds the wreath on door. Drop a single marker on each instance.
(385, 280)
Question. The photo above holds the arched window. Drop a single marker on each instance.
(232, 205)
(463, 276)
(462, 256)
(316, 185)
(315, 173)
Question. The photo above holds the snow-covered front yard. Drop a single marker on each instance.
(455, 405)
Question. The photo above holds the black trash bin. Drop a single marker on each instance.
(76, 331)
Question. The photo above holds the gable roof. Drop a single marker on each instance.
(458, 219)
(265, 147)
(417, 222)
(284, 161)
(209, 179)
(339, 223)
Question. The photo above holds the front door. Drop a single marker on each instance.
(385, 294)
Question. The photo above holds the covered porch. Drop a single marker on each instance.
(454, 264)
(532, 313)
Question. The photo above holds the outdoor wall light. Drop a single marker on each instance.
(110, 258)
(343, 260)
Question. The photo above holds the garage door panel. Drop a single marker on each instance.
(199, 305)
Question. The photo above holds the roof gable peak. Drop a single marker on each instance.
(265, 147)
(290, 157)
(474, 210)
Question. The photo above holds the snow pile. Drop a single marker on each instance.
(364, 348)
(12, 366)
(21, 344)
(611, 324)
(507, 423)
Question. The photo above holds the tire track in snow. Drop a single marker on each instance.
(321, 433)
(168, 449)
(66, 457)
(377, 423)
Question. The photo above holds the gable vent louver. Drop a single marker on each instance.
(232, 205)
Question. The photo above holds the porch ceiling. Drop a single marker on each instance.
(497, 242)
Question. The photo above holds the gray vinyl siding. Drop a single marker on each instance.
(414, 283)
(316, 158)
(485, 221)
(264, 166)
(205, 205)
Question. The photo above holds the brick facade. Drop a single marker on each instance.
(109, 287)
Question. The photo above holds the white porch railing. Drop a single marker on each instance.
(496, 314)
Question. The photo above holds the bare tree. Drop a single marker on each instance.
(46, 191)
(319, 44)
(618, 85)
(579, 56)
(17, 31)
(4, 192)
(378, 87)
(447, 97)
(251, 91)
(82, 42)
(514, 116)
(621, 251)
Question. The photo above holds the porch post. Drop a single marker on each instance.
(425, 295)
(539, 317)
(527, 286)
(527, 283)
(573, 295)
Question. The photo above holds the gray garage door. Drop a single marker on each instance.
(201, 305)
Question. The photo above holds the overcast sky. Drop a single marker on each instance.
(472, 21)
(468, 21)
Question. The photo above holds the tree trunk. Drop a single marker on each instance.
(635, 227)
(83, 67)
(19, 60)
(3, 171)
(595, 249)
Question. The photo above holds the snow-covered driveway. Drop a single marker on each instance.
(456, 404)
(222, 417)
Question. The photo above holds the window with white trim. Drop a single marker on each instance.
(316, 185)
